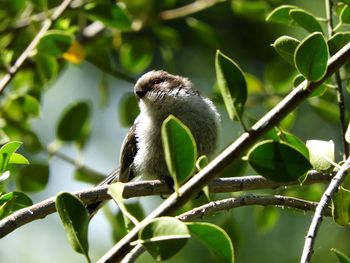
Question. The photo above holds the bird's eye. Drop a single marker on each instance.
(157, 81)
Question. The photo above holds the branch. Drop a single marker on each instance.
(136, 189)
(30, 48)
(189, 9)
(232, 153)
(320, 210)
(229, 203)
(338, 82)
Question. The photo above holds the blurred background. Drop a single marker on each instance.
(184, 46)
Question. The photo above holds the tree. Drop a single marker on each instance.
(40, 39)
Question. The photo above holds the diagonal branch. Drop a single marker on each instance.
(30, 48)
(320, 211)
(232, 153)
(135, 189)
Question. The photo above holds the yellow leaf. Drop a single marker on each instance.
(75, 54)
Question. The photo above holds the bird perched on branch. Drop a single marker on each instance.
(159, 95)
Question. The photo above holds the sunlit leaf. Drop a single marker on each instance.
(337, 41)
(342, 258)
(12, 201)
(116, 191)
(285, 47)
(136, 56)
(345, 15)
(278, 161)
(347, 134)
(109, 14)
(54, 43)
(6, 152)
(214, 238)
(281, 14)
(341, 203)
(75, 219)
(180, 149)
(311, 57)
(33, 177)
(305, 20)
(321, 154)
(164, 237)
(232, 85)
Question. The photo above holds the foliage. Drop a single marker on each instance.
(126, 38)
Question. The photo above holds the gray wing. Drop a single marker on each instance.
(127, 155)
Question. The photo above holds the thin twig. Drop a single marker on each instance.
(136, 189)
(30, 48)
(263, 200)
(338, 82)
(232, 153)
(320, 210)
(189, 9)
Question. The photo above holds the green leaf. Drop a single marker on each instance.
(128, 109)
(214, 238)
(75, 219)
(281, 14)
(54, 43)
(294, 141)
(47, 67)
(347, 134)
(73, 122)
(345, 15)
(6, 152)
(33, 177)
(278, 161)
(12, 201)
(163, 237)
(232, 85)
(109, 14)
(136, 56)
(285, 47)
(115, 190)
(305, 20)
(321, 154)
(17, 158)
(342, 258)
(311, 57)
(337, 41)
(341, 203)
(180, 149)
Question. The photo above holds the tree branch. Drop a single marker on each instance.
(229, 203)
(320, 210)
(232, 153)
(30, 48)
(135, 189)
(189, 9)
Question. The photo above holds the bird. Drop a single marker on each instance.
(159, 95)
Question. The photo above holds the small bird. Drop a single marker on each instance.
(160, 94)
